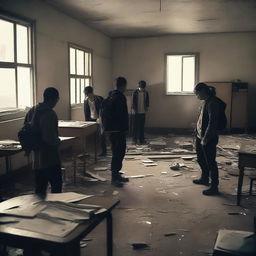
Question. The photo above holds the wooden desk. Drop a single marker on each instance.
(246, 158)
(9, 148)
(234, 243)
(67, 145)
(62, 246)
(81, 130)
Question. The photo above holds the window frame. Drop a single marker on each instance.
(31, 24)
(197, 57)
(75, 76)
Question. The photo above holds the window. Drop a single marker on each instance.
(16, 64)
(181, 73)
(80, 72)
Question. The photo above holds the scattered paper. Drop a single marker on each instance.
(139, 176)
(101, 169)
(69, 197)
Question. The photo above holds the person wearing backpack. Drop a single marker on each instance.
(92, 111)
(211, 119)
(46, 158)
(115, 123)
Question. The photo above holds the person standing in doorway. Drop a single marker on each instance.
(46, 158)
(115, 123)
(140, 105)
(207, 137)
(92, 109)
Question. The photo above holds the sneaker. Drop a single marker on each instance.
(211, 191)
(201, 182)
(122, 179)
(117, 183)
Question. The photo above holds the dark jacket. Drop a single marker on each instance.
(87, 112)
(210, 118)
(135, 100)
(46, 123)
(115, 117)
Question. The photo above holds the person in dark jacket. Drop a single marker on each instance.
(140, 105)
(117, 127)
(46, 159)
(207, 138)
(92, 109)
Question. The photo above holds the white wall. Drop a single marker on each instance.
(54, 30)
(223, 57)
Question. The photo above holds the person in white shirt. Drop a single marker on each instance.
(140, 105)
(92, 108)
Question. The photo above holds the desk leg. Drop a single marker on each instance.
(70, 250)
(7, 164)
(96, 146)
(109, 235)
(74, 167)
(240, 184)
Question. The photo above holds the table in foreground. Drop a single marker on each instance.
(235, 243)
(62, 246)
(9, 148)
(246, 158)
(81, 130)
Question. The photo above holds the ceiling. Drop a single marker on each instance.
(137, 18)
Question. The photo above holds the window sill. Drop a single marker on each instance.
(77, 106)
(7, 115)
(180, 94)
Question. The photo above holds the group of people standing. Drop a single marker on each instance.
(112, 115)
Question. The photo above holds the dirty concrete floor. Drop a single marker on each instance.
(160, 204)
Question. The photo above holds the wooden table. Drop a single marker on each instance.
(246, 158)
(9, 148)
(62, 246)
(81, 130)
(67, 145)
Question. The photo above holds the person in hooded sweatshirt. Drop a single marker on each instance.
(115, 122)
(46, 158)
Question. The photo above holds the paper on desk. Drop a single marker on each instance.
(19, 201)
(66, 138)
(47, 226)
(67, 197)
(68, 214)
(7, 219)
(24, 210)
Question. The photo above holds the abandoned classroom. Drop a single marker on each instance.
(127, 127)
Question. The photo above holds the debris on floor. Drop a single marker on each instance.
(139, 176)
(140, 246)
(101, 169)
(170, 234)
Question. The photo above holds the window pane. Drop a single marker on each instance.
(24, 87)
(7, 88)
(6, 41)
(87, 82)
(174, 66)
(86, 60)
(22, 44)
(90, 65)
(80, 62)
(82, 90)
(78, 90)
(72, 91)
(188, 73)
(72, 59)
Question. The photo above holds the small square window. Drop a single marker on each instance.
(181, 73)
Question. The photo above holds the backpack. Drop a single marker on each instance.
(106, 113)
(222, 122)
(29, 134)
